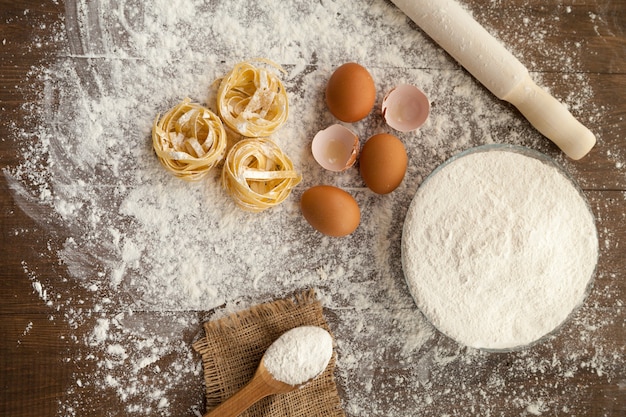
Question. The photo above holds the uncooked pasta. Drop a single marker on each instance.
(258, 175)
(252, 100)
(189, 140)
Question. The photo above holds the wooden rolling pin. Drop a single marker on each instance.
(456, 31)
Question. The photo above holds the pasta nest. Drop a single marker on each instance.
(189, 140)
(258, 175)
(252, 100)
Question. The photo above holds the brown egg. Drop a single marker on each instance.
(330, 210)
(350, 92)
(383, 163)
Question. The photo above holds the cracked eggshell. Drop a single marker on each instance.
(405, 108)
(335, 148)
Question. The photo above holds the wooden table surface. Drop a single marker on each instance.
(35, 374)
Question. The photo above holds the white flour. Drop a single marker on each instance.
(133, 243)
(498, 248)
(299, 355)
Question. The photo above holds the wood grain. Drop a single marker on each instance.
(35, 373)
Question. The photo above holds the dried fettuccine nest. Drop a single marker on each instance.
(252, 100)
(189, 140)
(258, 175)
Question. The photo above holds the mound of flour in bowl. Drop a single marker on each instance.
(498, 248)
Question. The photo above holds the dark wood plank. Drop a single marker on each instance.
(591, 31)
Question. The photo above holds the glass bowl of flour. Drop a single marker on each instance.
(499, 247)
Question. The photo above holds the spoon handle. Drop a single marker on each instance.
(252, 392)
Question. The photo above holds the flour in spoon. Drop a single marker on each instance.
(299, 355)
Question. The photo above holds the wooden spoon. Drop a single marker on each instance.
(260, 386)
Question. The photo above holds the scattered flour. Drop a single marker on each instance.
(142, 244)
(100, 332)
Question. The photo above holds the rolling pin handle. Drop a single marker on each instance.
(551, 118)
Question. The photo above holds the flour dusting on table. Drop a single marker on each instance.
(141, 243)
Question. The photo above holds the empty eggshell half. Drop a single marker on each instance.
(405, 108)
(335, 148)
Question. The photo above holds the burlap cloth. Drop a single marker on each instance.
(232, 347)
